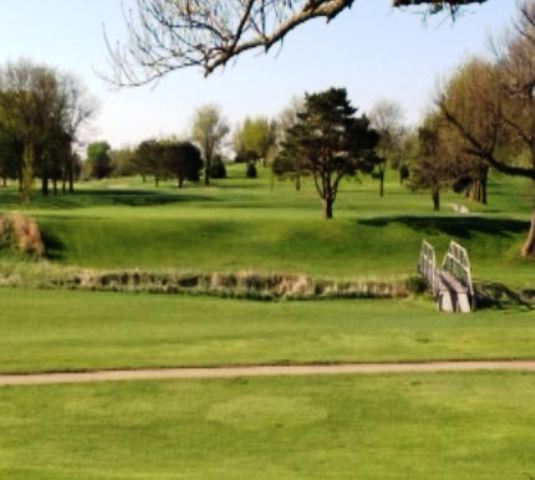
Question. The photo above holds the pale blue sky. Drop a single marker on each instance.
(372, 50)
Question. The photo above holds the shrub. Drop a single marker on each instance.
(218, 169)
(251, 172)
(21, 234)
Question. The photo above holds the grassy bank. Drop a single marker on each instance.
(239, 224)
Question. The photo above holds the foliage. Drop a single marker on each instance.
(209, 130)
(487, 103)
(218, 169)
(250, 171)
(99, 160)
(41, 114)
(256, 138)
(387, 118)
(328, 142)
(182, 160)
(436, 167)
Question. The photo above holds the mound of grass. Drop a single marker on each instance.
(447, 426)
(255, 224)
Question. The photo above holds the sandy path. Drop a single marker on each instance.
(265, 371)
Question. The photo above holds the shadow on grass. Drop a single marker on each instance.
(54, 247)
(102, 197)
(498, 295)
(460, 227)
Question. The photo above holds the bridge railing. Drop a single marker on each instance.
(457, 262)
(427, 266)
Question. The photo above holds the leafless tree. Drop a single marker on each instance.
(209, 130)
(509, 108)
(387, 118)
(168, 35)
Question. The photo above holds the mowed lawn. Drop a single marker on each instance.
(418, 427)
(64, 330)
(266, 226)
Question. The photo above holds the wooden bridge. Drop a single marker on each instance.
(451, 284)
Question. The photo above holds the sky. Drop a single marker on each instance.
(372, 50)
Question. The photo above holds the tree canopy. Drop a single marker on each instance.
(328, 142)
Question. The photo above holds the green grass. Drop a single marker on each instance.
(442, 426)
(244, 224)
(56, 330)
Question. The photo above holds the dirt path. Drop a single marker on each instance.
(265, 371)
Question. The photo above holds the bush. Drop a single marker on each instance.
(251, 172)
(21, 235)
(218, 170)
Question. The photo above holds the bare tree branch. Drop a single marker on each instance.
(168, 35)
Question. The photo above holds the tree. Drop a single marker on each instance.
(285, 164)
(209, 130)
(387, 118)
(124, 162)
(99, 159)
(329, 142)
(468, 94)
(168, 35)
(434, 167)
(10, 156)
(183, 161)
(30, 109)
(256, 137)
(79, 107)
(43, 110)
(509, 109)
(149, 159)
(218, 170)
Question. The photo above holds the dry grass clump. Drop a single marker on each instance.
(21, 235)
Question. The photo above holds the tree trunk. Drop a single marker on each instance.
(71, 179)
(528, 250)
(143, 178)
(382, 183)
(484, 177)
(436, 199)
(298, 183)
(207, 172)
(44, 185)
(157, 181)
(27, 171)
(55, 185)
(328, 208)
(180, 182)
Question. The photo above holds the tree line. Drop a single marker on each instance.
(42, 113)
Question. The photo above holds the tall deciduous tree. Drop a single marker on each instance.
(43, 109)
(330, 142)
(209, 130)
(510, 109)
(30, 108)
(387, 118)
(435, 166)
(256, 136)
(167, 35)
